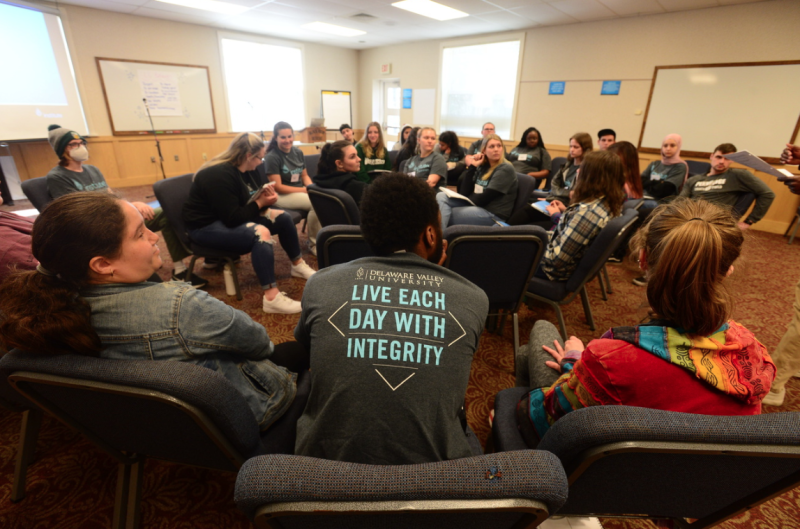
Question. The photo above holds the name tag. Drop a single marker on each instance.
(296, 177)
(655, 176)
(522, 157)
(412, 174)
(478, 189)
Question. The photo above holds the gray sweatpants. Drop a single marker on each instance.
(532, 372)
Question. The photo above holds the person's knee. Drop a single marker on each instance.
(262, 233)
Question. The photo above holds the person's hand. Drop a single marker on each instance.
(790, 155)
(444, 253)
(551, 208)
(560, 205)
(146, 211)
(267, 198)
(793, 184)
(573, 344)
(477, 158)
(743, 226)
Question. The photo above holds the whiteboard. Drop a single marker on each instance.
(755, 106)
(336, 109)
(179, 97)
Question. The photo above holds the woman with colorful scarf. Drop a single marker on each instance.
(690, 357)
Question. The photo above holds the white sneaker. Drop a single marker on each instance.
(775, 398)
(281, 305)
(301, 269)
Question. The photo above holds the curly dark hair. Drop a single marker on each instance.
(524, 141)
(395, 211)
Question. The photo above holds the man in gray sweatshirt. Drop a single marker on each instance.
(723, 185)
(391, 339)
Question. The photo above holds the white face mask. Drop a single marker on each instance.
(79, 154)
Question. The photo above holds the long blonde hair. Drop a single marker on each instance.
(366, 148)
(503, 160)
(236, 154)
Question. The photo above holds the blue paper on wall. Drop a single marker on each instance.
(610, 88)
(557, 88)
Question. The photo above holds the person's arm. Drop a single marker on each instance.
(221, 192)
(664, 189)
(544, 165)
(438, 170)
(484, 199)
(209, 326)
(467, 185)
(557, 189)
(764, 195)
(791, 156)
(686, 192)
(503, 179)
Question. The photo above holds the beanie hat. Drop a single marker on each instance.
(59, 137)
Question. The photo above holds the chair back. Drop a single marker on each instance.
(172, 194)
(525, 186)
(598, 252)
(625, 459)
(333, 206)
(393, 156)
(173, 411)
(500, 261)
(339, 244)
(36, 191)
(555, 166)
(312, 162)
(696, 168)
(513, 489)
(633, 203)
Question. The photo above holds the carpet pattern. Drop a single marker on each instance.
(72, 483)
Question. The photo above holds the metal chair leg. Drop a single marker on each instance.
(602, 286)
(608, 280)
(29, 433)
(561, 325)
(587, 309)
(515, 320)
(789, 227)
(794, 232)
(190, 268)
(129, 492)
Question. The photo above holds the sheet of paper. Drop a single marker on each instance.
(452, 194)
(754, 162)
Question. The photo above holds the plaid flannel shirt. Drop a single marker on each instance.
(578, 227)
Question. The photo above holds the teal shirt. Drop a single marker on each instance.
(289, 166)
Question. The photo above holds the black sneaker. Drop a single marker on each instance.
(197, 281)
(640, 281)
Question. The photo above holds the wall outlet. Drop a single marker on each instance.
(152, 159)
(205, 157)
(176, 157)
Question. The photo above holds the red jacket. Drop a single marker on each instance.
(15, 244)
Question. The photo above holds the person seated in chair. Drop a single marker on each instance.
(605, 139)
(347, 133)
(691, 357)
(72, 175)
(90, 296)
(723, 186)
(338, 167)
(391, 339)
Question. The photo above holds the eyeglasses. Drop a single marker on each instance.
(72, 144)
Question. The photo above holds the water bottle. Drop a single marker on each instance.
(230, 288)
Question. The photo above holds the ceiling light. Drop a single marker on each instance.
(209, 5)
(333, 29)
(430, 9)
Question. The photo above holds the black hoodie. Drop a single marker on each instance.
(343, 181)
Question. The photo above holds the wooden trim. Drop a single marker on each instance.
(647, 109)
(116, 132)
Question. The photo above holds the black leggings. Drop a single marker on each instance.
(291, 355)
(530, 215)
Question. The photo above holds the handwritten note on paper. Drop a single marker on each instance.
(161, 91)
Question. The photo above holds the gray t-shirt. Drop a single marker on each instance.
(530, 160)
(289, 165)
(658, 172)
(432, 164)
(504, 180)
(61, 181)
(391, 341)
(475, 147)
(726, 188)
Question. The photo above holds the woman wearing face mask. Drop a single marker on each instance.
(372, 152)
(286, 166)
(664, 178)
(427, 164)
(490, 183)
(219, 214)
(338, 164)
(530, 156)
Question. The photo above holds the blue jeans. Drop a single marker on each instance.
(457, 211)
(245, 239)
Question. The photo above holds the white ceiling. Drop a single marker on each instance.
(390, 25)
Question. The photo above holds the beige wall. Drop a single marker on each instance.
(93, 33)
(625, 49)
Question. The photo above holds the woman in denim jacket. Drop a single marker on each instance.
(89, 296)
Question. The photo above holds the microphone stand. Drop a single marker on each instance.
(155, 136)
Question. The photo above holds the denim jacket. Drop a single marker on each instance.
(172, 321)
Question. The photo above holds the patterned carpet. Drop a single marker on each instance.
(71, 484)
